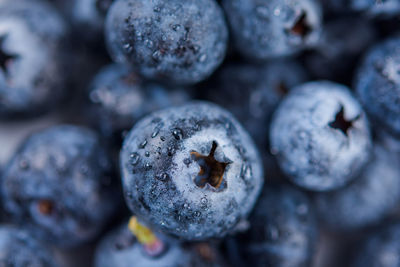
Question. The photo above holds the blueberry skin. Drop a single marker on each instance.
(340, 47)
(119, 97)
(368, 199)
(18, 249)
(32, 77)
(170, 187)
(58, 186)
(283, 229)
(376, 8)
(378, 84)
(264, 29)
(121, 249)
(178, 41)
(320, 136)
(381, 249)
(252, 92)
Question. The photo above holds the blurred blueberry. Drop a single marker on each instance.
(121, 249)
(119, 97)
(378, 84)
(191, 171)
(264, 29)
(368, 199)
(381, 249)
(59, 186)
(339, 48)
(19, 249)
(33, 71)
(320, 136)
(283, 229)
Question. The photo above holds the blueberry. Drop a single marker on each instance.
(252, 92)
(179, 41)
(19, 249)
(191, 171)
(320, 136)
(86, 16)
(381, 249)
(283, 229)
(368, 199)
(340, 47)
(378, 84)
(121, 249)
(119, 97)
(263, 29)
(32, 77)
(58, 185)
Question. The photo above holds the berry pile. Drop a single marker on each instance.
(200, 133)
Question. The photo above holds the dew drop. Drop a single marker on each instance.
(148, 166)
(163, 177)
(202, 58)
(155, 133)
(147, 154)
(143, 144)
(134, 158)
(197, 213)
(162, 138)
(204, 200)
(177, 133)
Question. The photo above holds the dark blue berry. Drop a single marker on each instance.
(283, 230)
(32, 58)
(179, 41)
(380, 249)
(120, 248)
(19, 249)
(119, 97)
(211, 171)
(378, 84)
(263, 29)
(368, 199)
(320, 136)
(339, 48)
(59, 185)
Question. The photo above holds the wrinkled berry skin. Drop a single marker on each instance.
(320, 136)
(19, 249)
(368, 199)
(32, 77)
(264, 29)
(378, 84)
(58, 186)
(338, 51)
(381, 249)
(121, 249)
(252, 92)
(119, 97)
(283, 229)
(178, 41)
(162, 170)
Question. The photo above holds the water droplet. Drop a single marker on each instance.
(147, 154)
(157, 9)
(156, 55)
(148, 166)
(187, 161)
(134, 158)
(148, 43)
(163, 177)
(196, 48)
(162, 138)
(197, 213)
(176, 27)
(155, 133)
(202, 58)
(143, 144)
(204, 200)
(177, 133)
(128, 48)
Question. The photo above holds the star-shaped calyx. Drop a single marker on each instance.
(5, 58)
(341, 123)
(211, 170)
